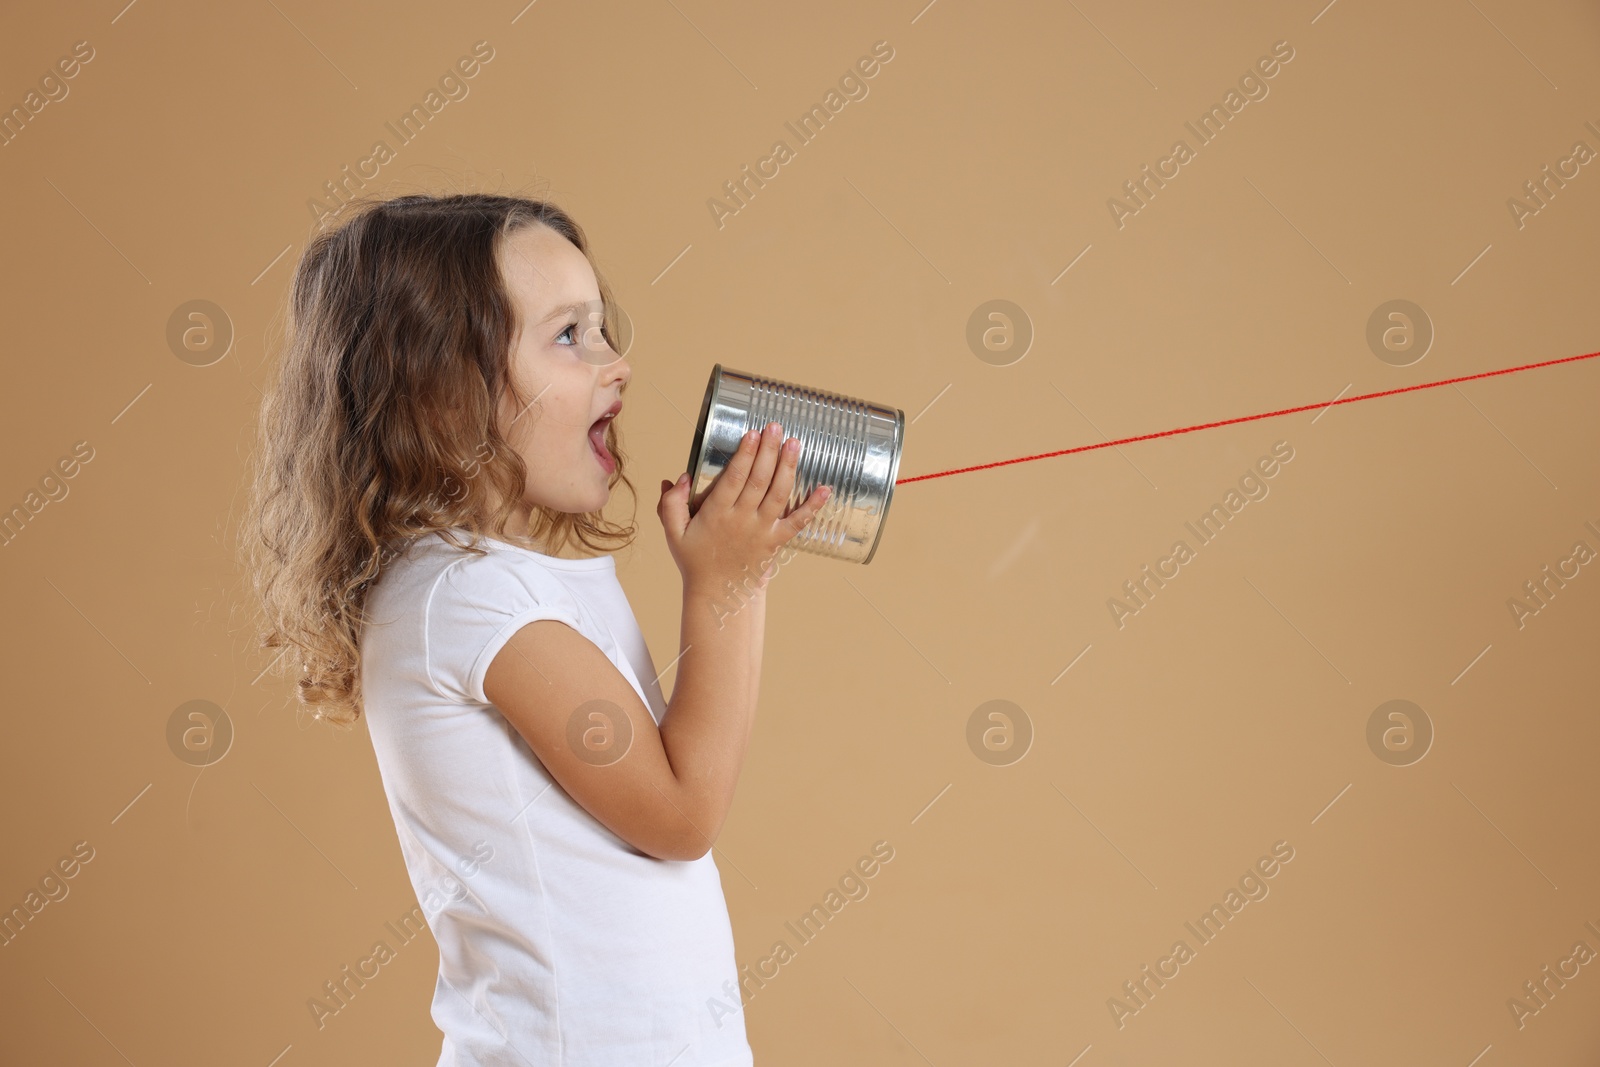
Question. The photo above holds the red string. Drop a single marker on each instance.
(1249, 418)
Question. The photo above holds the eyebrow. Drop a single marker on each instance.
(565, 309)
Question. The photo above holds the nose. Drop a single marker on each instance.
(618, 370)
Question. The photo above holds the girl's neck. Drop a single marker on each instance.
(518, 525)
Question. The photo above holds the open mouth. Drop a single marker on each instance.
(597, 441)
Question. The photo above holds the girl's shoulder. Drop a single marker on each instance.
(456, 608)
(484, 566)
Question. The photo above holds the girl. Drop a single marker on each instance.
(427, 537)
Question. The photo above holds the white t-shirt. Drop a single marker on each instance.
(559, 942)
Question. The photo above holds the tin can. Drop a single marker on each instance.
(849, 444)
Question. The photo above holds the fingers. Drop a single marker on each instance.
(766, 461)
(801, 516)
(673, 510)
(731, 481)
(776, 501)
(760, 475)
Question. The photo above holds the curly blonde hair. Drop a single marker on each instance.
(381, 428)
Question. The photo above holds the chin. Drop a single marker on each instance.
(583, 507)
(595, 502)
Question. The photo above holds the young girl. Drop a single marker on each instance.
(426, 537)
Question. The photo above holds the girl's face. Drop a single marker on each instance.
(563, 365)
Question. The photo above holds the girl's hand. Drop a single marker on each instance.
(741, 524)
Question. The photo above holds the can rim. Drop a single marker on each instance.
(894, 471)
(697, 445)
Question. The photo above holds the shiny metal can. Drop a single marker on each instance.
(849, 444)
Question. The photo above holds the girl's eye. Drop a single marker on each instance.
(570, 327)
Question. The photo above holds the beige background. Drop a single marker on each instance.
(1228, 715)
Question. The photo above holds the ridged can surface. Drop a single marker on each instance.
(850, 444)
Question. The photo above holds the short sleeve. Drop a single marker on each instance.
(476, 605)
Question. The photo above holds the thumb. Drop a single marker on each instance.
(674, 507)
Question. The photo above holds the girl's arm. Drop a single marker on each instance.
(705, 733)
(666, 791)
